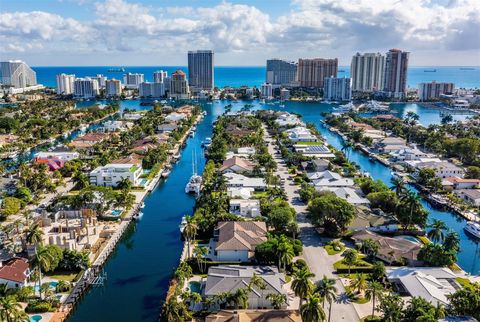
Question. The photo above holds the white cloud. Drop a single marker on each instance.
(311, 28)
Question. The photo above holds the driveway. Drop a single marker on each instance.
(314, 254)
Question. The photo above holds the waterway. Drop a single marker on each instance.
(140, 268)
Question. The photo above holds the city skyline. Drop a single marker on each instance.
(241, 33)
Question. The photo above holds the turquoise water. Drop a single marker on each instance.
(116, 212)
(195, 287)
(35, 318)
(255, 76)
(409, 238)
(142, 264)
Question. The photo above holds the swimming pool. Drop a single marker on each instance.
(35, 318)
(194, 287)
(409, 238)
(116, 212)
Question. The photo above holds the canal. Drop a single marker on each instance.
(140, 268)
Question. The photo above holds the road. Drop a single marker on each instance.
(314, 254)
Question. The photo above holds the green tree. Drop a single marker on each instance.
(466, 301)
(302, 284)
(11, 206)
(398, 186)
(189, 232)
(378, 271)
(200, 253)
(472, 172)
(331, 212)
(452, 241)
(10, 309)
(24, 194)
(419, 309)
(328, 292)
(374, 289)
(436, 233)
(312, 310)
(285, 253)
(391, 306)
(34, 235)
(359, 283)
(173, 310)
(277, 300)
(350, 258)
(280, 217)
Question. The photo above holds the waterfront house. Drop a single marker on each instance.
(230, 278)
(52, 163)
(111, 174)
(167, 127)
(243, 193)
(114, 126)
(407, 154)
(430, 283)
(315, 165)
(329, 179)
(386, 117)
(360, 126)
(398, 249)
(320, 151)
(287, 119)
(245, 208)
(472, 196)
(443, 169)
(241, 181)
(175, 117)
(62, 155)
(243, 152)
(349, 194)
(236, 240)
(87, 141)
(256, 315)
(7, 139)
(300, 134)
(237, 165)
(461, 183)
(390, 144)
(134, 159)
(132, 116)
(14, 272)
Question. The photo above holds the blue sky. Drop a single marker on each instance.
(159, 32)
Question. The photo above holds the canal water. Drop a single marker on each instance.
(140, 268)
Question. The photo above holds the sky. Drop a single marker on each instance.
(242, 33)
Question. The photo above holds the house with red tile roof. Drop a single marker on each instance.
(14, 272)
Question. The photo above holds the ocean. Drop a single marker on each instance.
(255, 75)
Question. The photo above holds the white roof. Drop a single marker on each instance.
(430, 283)
(329, 179)
(245, 203)
(235, 179)
(243, 193)
(349, 194)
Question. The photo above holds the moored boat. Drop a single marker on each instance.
(473, 228)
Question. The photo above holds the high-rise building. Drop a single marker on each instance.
(266, 91)
(312, 72)
(179, 85)
(85, 88)
(284, 94)
(159, 76)
(281, 72)
(337, 89)
(113, 87)
(17, 73)
(100, 79)
(133, 80)
(65, 84)
(366, 71)
(148, 89)
(433, 90)
(395, 77)
(200, 70)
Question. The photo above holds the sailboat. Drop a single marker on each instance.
(195, 182)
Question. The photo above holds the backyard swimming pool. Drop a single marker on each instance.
(409, 238)
(195, 287)
(35, 318)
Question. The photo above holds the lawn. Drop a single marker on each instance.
(63, 276)
(464, 282)
(331, 251)
(308, 143)
(355, 298)
(360, 264)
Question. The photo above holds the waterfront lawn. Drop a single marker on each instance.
(66, 276)
(360, 265)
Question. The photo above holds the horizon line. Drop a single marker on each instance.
(235, 66)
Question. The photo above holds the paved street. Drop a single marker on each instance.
(318, 260)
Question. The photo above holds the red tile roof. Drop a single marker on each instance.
(14, 270)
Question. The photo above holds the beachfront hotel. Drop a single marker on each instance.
(17, 74)
(367, 72)
(65, 84)
(200, 70)
(312, 72)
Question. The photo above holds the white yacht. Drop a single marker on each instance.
(207, 142)
(345, 108)
(195, 183)
(183, 224)
(375, 106)
(473, 228)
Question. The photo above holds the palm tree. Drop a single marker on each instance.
(350, 257)
(277, 300)
(125, 184)
(312, 310)
(436, 234)
(9, 308)
(240, 298)
(173, 311)
(200, 252)
(327, 290)
(359, 283)
(285, 253)
(189, 232)
(257, 281)
(452, 240)
(34, 235)
(398, 185)
(412, 201)
(43, 261)
(374, 289)
(301, 284)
